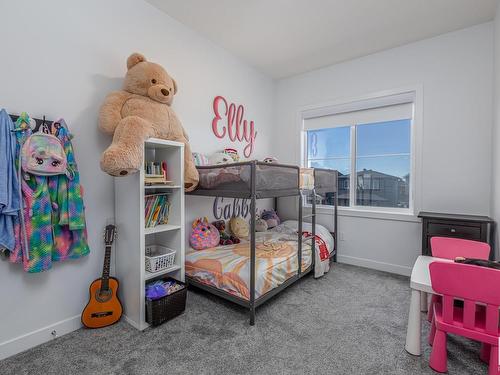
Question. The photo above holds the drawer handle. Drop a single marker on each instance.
(453, 230)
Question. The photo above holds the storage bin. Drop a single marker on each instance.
(159, 258)
(165, 308)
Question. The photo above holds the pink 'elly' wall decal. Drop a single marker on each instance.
(228, 122)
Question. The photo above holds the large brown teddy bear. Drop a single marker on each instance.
(138, 112)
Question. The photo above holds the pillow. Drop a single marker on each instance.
(321, 231)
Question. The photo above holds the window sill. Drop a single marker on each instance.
(368, 214)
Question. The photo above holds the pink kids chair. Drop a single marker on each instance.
(477, 320)
(450, 248)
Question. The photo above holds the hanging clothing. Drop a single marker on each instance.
(10, 200)
(53, 213)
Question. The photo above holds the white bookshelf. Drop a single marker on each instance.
(161, 228)
(133, 237)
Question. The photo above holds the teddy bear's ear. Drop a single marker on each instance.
(175, 86)
(135, 59)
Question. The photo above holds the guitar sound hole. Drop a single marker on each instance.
(101, 314)
(103, 295)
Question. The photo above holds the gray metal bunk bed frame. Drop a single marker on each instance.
(253, 194)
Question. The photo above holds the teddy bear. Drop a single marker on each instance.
(142, 110)
(225, 239)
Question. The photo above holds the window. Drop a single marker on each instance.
(331, 148)
(372, 144)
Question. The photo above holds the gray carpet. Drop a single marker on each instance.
(352, 321)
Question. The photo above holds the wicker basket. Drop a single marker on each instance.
(166, 308)
(159, 258)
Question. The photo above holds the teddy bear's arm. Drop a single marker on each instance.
(110, 112)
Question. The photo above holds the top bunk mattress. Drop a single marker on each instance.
(271, 180)
(235, 179)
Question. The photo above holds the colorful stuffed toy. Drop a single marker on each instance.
(239, 227)
(204, 235)
(225, 239)
(271, 218)
(142, 110)
(233, 153)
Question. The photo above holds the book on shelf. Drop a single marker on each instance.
(155, 173)
(156, 210)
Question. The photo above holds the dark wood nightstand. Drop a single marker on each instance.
(470, 227)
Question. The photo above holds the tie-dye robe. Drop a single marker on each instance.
(54, 217)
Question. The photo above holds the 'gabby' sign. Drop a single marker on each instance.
(226, 209)
(228, 121)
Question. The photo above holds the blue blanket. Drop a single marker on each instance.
(10, 200)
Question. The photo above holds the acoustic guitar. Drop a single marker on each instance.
(104, 307)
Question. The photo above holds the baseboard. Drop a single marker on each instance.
(29, 340)
(131, 322)
(140, 327)
(380, 266)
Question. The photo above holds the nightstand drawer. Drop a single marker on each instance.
(461, 231)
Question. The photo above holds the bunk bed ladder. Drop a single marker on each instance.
(313, 226)
(335, 221)
(253, 168)
(299, 234)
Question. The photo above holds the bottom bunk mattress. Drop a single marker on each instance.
(228, 267)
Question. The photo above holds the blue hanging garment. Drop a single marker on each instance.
(10, 201)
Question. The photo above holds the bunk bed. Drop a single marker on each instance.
(255, 180)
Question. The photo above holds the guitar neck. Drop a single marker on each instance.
(106, 268)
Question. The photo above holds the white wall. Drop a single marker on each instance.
(455, 71)
(61, 60)
(495, 191)
(67, 64)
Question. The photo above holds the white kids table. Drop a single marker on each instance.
(420, 284)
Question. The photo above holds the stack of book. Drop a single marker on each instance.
(156, 210)
(155, 173)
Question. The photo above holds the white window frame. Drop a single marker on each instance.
(378, 99)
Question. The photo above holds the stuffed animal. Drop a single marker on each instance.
(204, 235)
(199, 159)
(233, 153)
(270, 159)
(260, 224)
(239, 227)
(142, 110)
(271, 218)
(220, 158)
(225, 239)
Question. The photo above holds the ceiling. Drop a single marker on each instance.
(286, 37)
